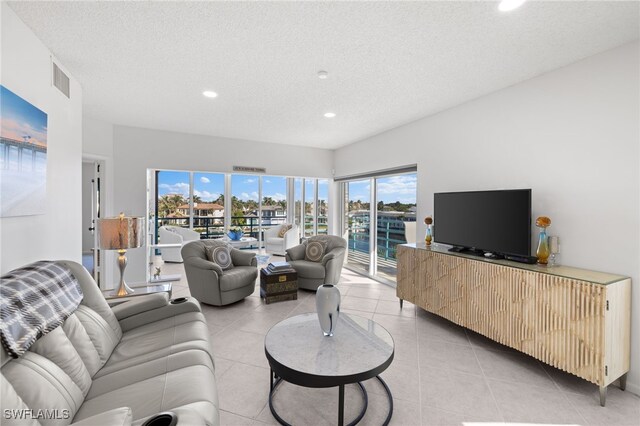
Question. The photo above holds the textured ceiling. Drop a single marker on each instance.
(146, 63)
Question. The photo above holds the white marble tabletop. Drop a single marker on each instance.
(358, 345)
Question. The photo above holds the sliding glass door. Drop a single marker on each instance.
(373, 235)
(396, 215)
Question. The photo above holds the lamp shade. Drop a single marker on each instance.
(120, 233)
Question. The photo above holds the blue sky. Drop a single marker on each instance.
(20, 118)
(390, 189)
(210, 185)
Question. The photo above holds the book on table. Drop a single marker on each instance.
(276, 267)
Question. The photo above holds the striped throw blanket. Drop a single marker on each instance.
(34, 300)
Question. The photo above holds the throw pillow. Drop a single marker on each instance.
(221, 256)
(283, 230)
(315, 251)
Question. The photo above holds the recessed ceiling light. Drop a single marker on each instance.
(508, 5)
(330, 114)
(322, 75)
(210, 94)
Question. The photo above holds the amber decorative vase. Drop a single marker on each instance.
(428, 236)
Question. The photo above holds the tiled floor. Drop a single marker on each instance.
(441, 374)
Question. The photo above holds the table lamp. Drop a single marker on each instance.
(121, 233)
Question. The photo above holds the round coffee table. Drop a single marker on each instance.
(299, 353)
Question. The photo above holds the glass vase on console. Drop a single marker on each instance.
(543, 252)
(428, 237)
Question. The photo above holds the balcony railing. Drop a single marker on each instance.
(213, 227)
(388, 237)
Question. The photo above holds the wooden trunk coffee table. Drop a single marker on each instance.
(299, 353)
(278, 286)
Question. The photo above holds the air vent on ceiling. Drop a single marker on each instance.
(61, 80)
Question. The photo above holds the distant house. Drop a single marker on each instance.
(273, 211)
(203, 209)
(272, 215)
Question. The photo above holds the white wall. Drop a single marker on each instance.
(136, 150)
(26, 71)
(571, 135)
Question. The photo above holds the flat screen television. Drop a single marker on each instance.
(492, 221)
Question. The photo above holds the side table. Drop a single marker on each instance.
(140, 290)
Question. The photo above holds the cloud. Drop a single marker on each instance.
(278, 196)
(245, 196)
(206, 195)
(398, 188)
(12, 129)
(267, 181)
(204, 179)
(176, 188)
(249, 181)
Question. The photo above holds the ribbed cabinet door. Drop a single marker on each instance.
(569, 326)
(443, 291)
(407, 286)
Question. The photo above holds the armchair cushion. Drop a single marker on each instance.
(308, 269)
(296, 252)
(315, 251)
(220, 255)
(237, 277)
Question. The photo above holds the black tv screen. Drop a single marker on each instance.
(492, 221)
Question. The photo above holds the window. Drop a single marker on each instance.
(172, 207)
(323, 207)
(274, 201)
(309, 207)
(245, 204)
(208, 204)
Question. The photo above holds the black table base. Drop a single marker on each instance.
(274, 381)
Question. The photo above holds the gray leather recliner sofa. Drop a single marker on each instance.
(313, 274)
(114, 366)
(209, 284)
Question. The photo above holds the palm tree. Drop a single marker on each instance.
(168, 204)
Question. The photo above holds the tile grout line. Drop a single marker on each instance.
(484, 377)
(245, 417)
(566, 397)
(415, 327)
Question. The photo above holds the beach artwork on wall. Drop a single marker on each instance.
(23, 156)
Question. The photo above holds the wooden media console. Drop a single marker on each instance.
(573, 319)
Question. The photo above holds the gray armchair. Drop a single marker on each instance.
(313, 274)
(209, 284)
